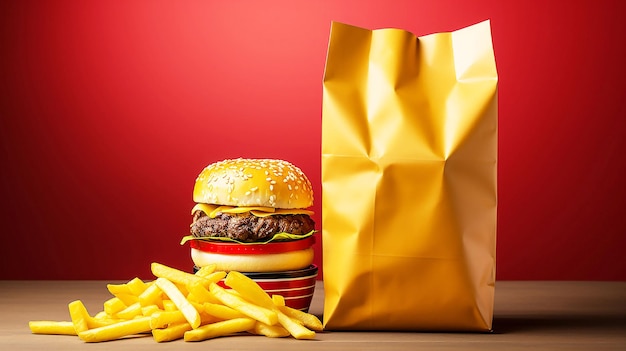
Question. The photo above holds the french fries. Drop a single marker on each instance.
(294, 327)
(180, 305)
(251, 310)
(308, 320)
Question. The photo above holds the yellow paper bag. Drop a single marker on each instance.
(409, 193)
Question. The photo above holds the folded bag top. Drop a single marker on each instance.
(409, 179)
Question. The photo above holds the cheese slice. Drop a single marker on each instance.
(282, 211)
(258, 211)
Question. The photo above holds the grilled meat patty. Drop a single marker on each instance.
(249, 228)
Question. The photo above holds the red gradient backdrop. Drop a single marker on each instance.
(109, 110)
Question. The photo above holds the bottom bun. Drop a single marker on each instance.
(285, 261)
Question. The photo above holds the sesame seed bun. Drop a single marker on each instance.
(254, 182)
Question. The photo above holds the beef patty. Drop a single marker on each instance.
(248, 228)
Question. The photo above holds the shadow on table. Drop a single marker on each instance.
(570, 323)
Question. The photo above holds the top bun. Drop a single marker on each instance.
(253, 182)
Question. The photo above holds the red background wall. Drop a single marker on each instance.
(110, 110)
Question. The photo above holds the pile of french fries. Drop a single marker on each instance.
(180, 305)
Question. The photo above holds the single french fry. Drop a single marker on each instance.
(234, 292)
(218, 329)
(79, 316)
(128, 299)
(193, 298)
(151, 296)
(182, 288)
(119, 289)
(172, 332)
(308, 320)
(189, 311)
(251, 310)
(102, 315)
(163, 319)
(208, 318)
(130, 312)
(278, 300)
(174, 275)
(122, 292)
(206, 270)
(198, 306)
(213, 278)
(136, 286)
(93, 322)
(150, 310)
(200, 293)
(249, 289)
(296, 329)
(271, 331)
(222, 311)
(52, 327)
(168, 305)
(117, 330)
(113, 305)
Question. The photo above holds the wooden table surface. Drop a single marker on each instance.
(540, 315)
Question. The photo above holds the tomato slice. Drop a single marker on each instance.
(252, 249)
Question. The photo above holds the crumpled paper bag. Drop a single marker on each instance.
(409, 167)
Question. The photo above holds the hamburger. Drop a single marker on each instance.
(251, 216)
